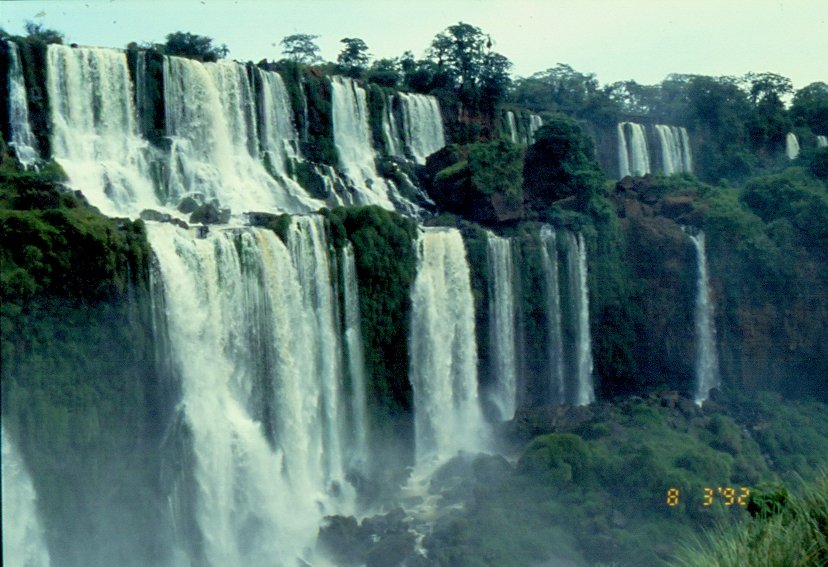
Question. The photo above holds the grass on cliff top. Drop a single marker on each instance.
(795, 534)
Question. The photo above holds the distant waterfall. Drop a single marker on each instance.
(22, 138)
(95, 136)
(510, 120)
(443, 352)
(675, 149)
(707, 359)
(822, 142)
(633, 156)
(577, 268)
(211, 122)
(502, 325)
(555, 351)
(23, 544)
(423, 125)
(254, 336)
(791, 146)
(356, 360)
(535, 122)
(352, 136)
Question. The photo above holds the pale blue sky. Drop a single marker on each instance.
(643, 40)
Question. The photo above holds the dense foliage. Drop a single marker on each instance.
(193, 46)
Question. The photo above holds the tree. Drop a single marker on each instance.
(768, 87)
(355, 53)
(810, 107)
(460, 50)
(385, 72)
(560, 164)
(192, 46)
(301, 47)
(494, 79)
(38, 32)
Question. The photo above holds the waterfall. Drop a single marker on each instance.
(277, 132)
(822, 141)
(94, 129)
(353, 140)
(535, 122)
(707, 359)
(555, 351)
(633, 156)
(443, 352)
(23, 544)
(502, 325)
(211, 122)
(22, 138)
(579, 295)
(623, 152)
(393, 140)
(253, 331)
(791, 146)
(675, 149)
(423, 125)
(355, 355)
(510, 119)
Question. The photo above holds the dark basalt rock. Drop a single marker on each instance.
(187, 205)
(209, 213)
(157, 216)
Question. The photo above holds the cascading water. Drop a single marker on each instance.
(277, 133)
(393, 139)
(23, 544)
(22, 138)
(502, 325)
(423, 125)
(254, 338)
(94, 129)
(791, 146)
(822, 141)
(707, 359)
(358, 395)
(352, 136)
(636, 158)
(211, 122)
(443, 352)
(579, 295)
(675, 149)
(555, 351)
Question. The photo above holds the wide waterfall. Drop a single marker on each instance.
(422, 125)
(822, 141)
(23, 544)
(352, 136)
(707, 358)
(255, 338)
(443, 352)
(555, 351)
(675, 149)
(791, 146)
(95, 134)
(502, 325)
(210, 115)
(22, 138)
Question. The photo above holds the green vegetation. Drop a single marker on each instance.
(354, 56)
(192, 46)
(301, 48)
(386, 264)
(80, 396)
(783, 532)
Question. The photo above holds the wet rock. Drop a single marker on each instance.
(209, 213)
(187, 205)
